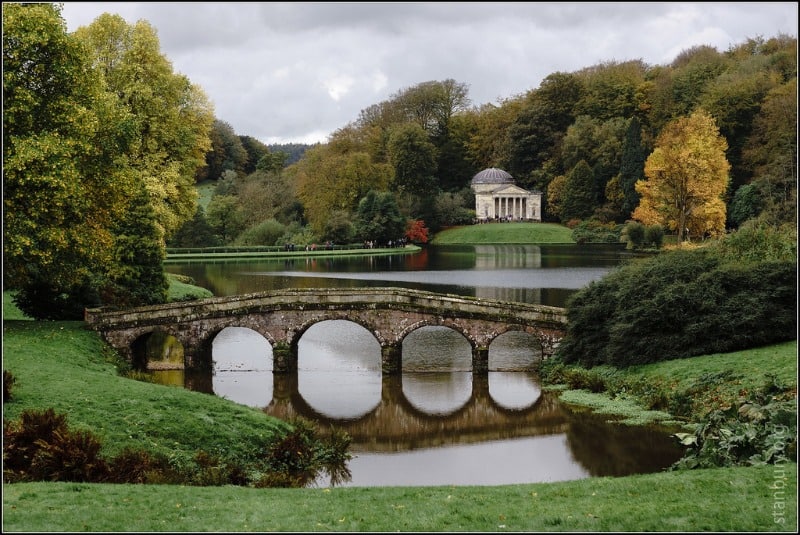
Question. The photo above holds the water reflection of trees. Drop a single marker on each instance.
(614, 449)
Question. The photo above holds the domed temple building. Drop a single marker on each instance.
(498, 198)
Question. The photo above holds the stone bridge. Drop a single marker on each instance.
(282, 317)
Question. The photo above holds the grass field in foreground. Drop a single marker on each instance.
(726, 499)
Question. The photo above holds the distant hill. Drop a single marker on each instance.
(294, 150)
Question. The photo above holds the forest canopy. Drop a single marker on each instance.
(109, 125)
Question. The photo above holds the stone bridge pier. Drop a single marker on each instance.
(282, 317)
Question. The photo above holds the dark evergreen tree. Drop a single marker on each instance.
(632, 166)
(138, 275)
(195, 232)
(746, 204)
(579, 199)
(255, 151)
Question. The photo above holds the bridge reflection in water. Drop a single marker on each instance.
(444, 425)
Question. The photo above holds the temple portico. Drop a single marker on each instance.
(498, 198)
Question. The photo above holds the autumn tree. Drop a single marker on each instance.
(687, 176)
(66, 174)
(329, 178)
(416, 231)
(171, 117)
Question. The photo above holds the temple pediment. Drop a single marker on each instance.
(510, 189)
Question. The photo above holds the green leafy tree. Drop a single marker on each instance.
(65, 171)
(533, 138)
(693, 70)
(413, 158)
(734, 99)
(610, 89)
(771, 152)
(339, 228)
(172, 117)
(255, 151)
(486, 146)
(378, 218)
(687, 176)
(225, 217)
(746, 204)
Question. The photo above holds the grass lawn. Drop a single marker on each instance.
(533, 233)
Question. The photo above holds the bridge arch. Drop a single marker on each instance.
(298, 332)
(283, 315)
(515, 350)
(442, 347)
(350, 323)
(254, 354)
(451, 323)
(156, 348)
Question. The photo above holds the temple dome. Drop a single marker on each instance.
(492, 175)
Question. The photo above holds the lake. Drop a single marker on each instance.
(437, 423)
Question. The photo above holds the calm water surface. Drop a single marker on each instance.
(436, 423)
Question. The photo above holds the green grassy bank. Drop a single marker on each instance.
(65, 366)
(487, 233)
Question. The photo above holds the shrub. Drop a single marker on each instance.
(299, 457)
(264, 233)
(633, 234)
(761, 429)
(593, 231)
(680, 304)
(654, 236)
(40, 447)
(8, 384)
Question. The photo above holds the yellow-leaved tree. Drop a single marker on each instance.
(687, 176)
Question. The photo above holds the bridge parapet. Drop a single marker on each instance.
(326, 298)
(283, 315)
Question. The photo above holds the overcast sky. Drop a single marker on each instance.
(296, 72)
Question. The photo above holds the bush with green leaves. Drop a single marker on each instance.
(681, 304)
(654, 236)
(593, 231)
(760, 429)
(264, 233)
